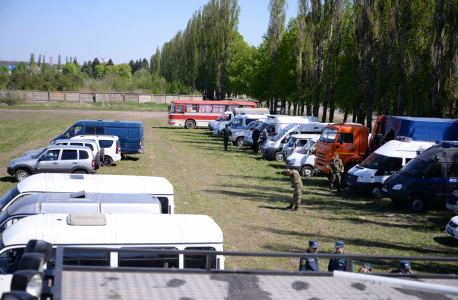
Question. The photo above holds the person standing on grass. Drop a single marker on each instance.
(336, 167)
(255, 137)
(404, 268)
(339, 264)
(226, 133)
(296, 183)
(310, 264)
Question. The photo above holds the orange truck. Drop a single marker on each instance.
(350, 141)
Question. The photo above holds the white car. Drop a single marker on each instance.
(110, 143)
(452, 227)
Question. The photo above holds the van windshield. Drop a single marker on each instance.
(280, 135)
(10, 195)
(413, 168)
(291, 142)
(306, 147)
(374, 161)
(220, 117)
(251, 125)
(40, 153)
(262, 126)
(328, 135)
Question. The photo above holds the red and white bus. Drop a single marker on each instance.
(193, 113)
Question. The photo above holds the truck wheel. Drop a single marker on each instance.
(280, 156)
(190, 124)
(107, 161)
(375, 191)
(22, 174)
(239, 142)
(307, 171)
(417, 203)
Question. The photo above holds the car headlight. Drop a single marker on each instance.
(11, 164)
(360, 179)
(328, 166)
(397, 187)
(29, 281)
(24, 155)
(292, 161)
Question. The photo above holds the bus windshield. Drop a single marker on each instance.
(172, 108)
(328, 135)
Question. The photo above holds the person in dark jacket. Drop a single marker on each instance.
(310, 263)
(404, 268)
(255, 137)
(226, 133)
(338, 264)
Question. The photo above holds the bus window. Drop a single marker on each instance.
(180, 109)
(218, 108)
(198, 261)
(191, 107)
(148, 260)
(172, 108)
(205, 108)
(231, 107)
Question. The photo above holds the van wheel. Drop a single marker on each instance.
(259, 146)
(239, 142)
(22, 174)
(280, 156)
(417, 203)
(190, 124)
(107, 161)
(80, 172)
(307, 171)
(375, 191)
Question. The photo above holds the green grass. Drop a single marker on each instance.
(246, 195)
(115, 106)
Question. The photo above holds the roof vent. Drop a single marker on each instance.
(80, 194)
(86, 219)
(76, 176)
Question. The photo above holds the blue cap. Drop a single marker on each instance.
(405, 264)
(339, 244)
(368, 266)
(313, 244)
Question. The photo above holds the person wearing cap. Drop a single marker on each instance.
(226, 133)
(310, 264)
(336, 167)
(296, 183)
(367, 268)
(339, 264)
(404, 268)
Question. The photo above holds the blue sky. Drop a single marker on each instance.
(120, 30)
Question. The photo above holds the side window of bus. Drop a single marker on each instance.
(9, 260)
(9, 223)
(191, 107)
(81, 258)
(180, 109)
(94, 130)
(198, 261)
(149, 260)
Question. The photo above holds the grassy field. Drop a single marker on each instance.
(116, 106)
(246, 195)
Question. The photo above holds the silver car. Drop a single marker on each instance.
(54, 159)
(238, 135)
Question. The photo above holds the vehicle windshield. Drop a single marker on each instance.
(328, 135)
(237, 122)
(291, 142)
(39, 153)
(63, 132)
(413, 167)
(220, 117)
(262, 126)
(172, 108)
(280, 135)
(306, 147)
(374, 161)
(251, 125)
(10, 195)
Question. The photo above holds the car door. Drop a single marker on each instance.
(68, 160)
(48, 162)
(432, 182)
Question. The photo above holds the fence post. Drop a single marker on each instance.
(138, 98)
(165, 98)
(123, 96)
(49, 98)
(79, 98)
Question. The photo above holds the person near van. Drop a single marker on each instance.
(404, 268)
(226, 133)
(310, 264)
(296, 183)
(255, 137)
(339, 264)
(336, 167)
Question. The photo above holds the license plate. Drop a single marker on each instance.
(385, 190)
(450, 230)
(348, 183)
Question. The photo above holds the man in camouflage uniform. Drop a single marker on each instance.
(336, 167)
(296, 183)
(226, 133)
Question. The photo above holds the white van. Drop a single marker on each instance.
(384, 162)
(274, 149)
(116, 231)
(275, 124)
(113, 184)
(226, 116)
(79, 202)
(304, 159)
(296, 142)
(110, 144)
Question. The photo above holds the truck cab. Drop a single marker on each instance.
(347, 140)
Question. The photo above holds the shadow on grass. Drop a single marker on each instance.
(447, 241)
(131, 158)
(11, 179)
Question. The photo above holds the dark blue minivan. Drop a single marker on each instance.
(130, 133)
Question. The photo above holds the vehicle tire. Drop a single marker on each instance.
(102, 155)
(97, 162)
(80, 172)
(239, 142)
(260, 146)
(417, 203)
(107, 161)
(190, 124)
(22, 174)
(375, 191)
(280, 156)
(307, 171)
